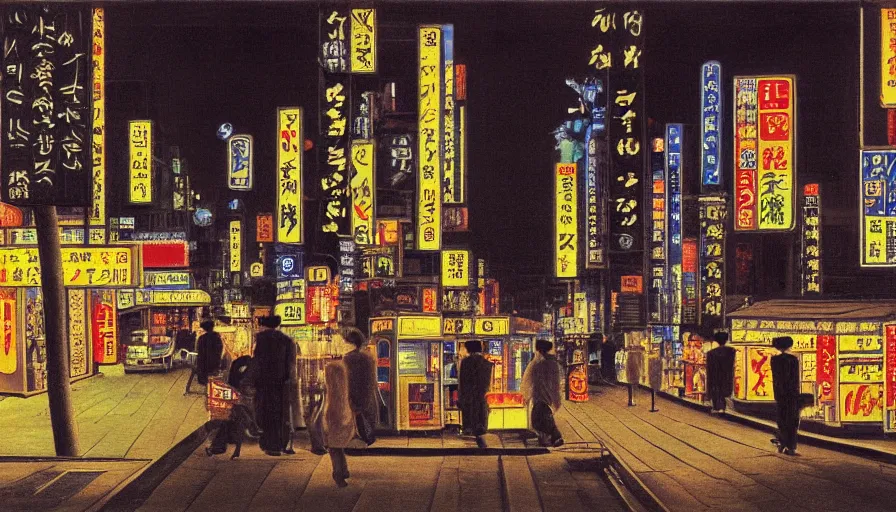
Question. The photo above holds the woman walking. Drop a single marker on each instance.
(338, 420)
(541, 386)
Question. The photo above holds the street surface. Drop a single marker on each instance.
(135, 416)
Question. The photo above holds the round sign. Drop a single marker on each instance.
(225, 131)
(202, 217)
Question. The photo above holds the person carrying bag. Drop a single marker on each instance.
(541, 387)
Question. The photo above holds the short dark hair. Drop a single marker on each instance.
(543, 346)
(272, 321)
(208, 325)
(356, 338)
(720, 337)
(473, 346)
(782, 343)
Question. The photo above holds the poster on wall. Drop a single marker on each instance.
(887, 56)
(9, 357)
(861, 403)
(104, 323)
(759, 373)
(141, 164)
(890, 379)
(878, 208)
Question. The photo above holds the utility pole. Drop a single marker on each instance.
(62, 417)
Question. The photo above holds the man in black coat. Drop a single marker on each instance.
(275, 356)
(209, 349)
(786, 383)
(475, 381)
(720, 372)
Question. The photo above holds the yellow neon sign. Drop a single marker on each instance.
(429, 140)
(363, 187)
(92, 267)
(419, 326)
(363, 50)
(97, 214)
(291, 312)
(140, 153)
(492, 325)
(236, 247)
(887, 52)
(456, 268)
(290, 143)
(566, 263)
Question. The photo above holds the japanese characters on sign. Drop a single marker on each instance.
(291, 312)
(596, 166)
(140, 136)
(166, 279)
(97, 214)
(104, 323)
(430, 115)
(566, 256)
(764, 156)
(334, 149)
(236, 246)
(451, 179)
(713, 216)
(363, 115)
(826, 368)
(456, 265)
(333, 36)
(400, 150)
(689, 285)
(290, 144)
(92, 267)
(264, 227)
(363, 186)
(811, 241)
(711, 123)
(46, 81)
(363, 47)
(889, 378)
(239, 162)
(348, 263)
(455, 219)
(77, 333)
(460, 151)
(878, 189)
(8, 322)
(888, 58)
(673, 143)
(658, 234)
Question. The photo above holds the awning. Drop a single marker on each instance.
(845, 310)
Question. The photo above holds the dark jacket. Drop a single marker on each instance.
(208, 355)
(785, 377)
(361, 382)
(275, 356)
(720, 370)
(475, 378)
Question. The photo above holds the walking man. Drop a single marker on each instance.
(475, 381)
(361, 369)
(786, 383)
(208, 355)
(275, 355)
(720, 372)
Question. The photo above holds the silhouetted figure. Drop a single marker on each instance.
(720, 372)
(786, 382)
(275, 355)
(338, 420)
(608, 359)
(475, 381)
(241, 377)
(361, 368)
(209, 348)
(541, 386)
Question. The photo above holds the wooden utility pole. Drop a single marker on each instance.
(62, 417)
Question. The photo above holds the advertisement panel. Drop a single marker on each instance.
(810, 284)
(77, 333)
(290, 143)
(658, 234)
(861, 370)
(166, 279)
(826, 367)
(291, 312)
(171, 298)
(566, 221)
(419, 327)
(140, 158)
(450, 170)
(82, 267)
(455, 326)
(264, 227)
(333, 34)
(104, 323)
(492, 325)
(673, 144)
(765, 155)
(689, 284)
(429, 137)
(861, 403)
(711, 123)
(595, 194)
(363, 188)
(759, 373)
(9, 356)
(334, 153)
(889, 379)
(236, 246)
(97, 214)
(363, 47)
(878, 208)
(713, 217)
(239, 162)
(887, 57)
(456, 268)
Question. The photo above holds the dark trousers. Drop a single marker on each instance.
(788, 421)
(474, 416)
(543, 422)
(272, 417)
(718, 400)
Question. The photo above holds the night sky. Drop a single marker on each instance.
(238, 62)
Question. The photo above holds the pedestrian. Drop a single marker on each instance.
(634, 364)
(296, 405)
(275, 355)
(541, 387)
(608, 359)
(720, 372)
(362, 387)
(338, 420)
(475, 381)
(786, 384)
(209, 348)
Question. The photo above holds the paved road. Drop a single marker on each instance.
(693, 461)
(136, 416)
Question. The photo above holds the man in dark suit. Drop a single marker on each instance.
(720, 372)
(475, 381)
(786, 382)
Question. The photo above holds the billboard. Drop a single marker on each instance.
(363, 187)
(673, 145)
(596, 165)
(334, 157)
(764, 152)
(713, 217)
(810, 284)
(236, 246)
(239, 162)
(140, 158)
(290, 143)
(711, 123)
(333, 34)
(90, 267)
(363, 47)
(456, 265)
(451, 178)
(429, 137)
(878, 208)
(566, 223)
(97, 214)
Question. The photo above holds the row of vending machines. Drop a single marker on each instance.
(418, 363)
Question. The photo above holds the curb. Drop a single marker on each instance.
(804, 437)
(633, 484)
(135, 491)
(25, 458)
(442, 452)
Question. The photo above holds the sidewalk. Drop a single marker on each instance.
(694, 461)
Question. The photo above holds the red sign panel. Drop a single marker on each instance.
(104, 327)
(166, 255)
(460, 82)
(890, 373)
(825, 366)
(264, 227)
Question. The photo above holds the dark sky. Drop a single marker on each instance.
(238, 62)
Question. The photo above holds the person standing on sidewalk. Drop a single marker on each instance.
(475, 381)
(275, 355)
(720, 372)
(361, 368)
(209, 348)
(541, 387)
(786, 384)
(338, 420)
(608, 359)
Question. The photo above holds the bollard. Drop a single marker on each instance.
(653, 401)
(631, 395)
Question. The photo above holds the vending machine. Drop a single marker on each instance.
(418, 372)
